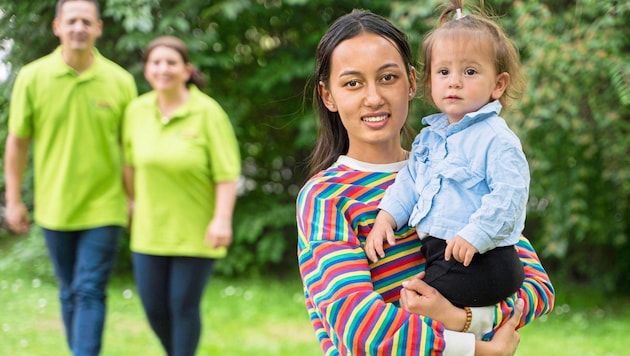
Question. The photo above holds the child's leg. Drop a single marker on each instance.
(490, 278)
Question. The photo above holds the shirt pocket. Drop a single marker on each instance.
(420, 159)
(457, 169)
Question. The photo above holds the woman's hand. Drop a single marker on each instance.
(418, 297)
(505, 339)
(219, 233)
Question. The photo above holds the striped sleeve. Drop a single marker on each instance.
(537, 291)
(348, 316)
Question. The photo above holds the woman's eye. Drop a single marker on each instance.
(352, 83)
(389, 77)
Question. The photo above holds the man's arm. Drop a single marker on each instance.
(15, 160)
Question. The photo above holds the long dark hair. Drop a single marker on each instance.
(332, 139)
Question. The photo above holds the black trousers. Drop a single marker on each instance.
(490, 278)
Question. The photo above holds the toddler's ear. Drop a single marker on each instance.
(501, 84)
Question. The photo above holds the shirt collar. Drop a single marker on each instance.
(61, 68)
(187, 107)
(371, 167)
(189, 104)
(439, 122)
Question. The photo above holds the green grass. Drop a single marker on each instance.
(261, 317)
(242, 317)
(584, 322)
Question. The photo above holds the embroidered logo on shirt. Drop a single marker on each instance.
(189, 134)
(103, 104)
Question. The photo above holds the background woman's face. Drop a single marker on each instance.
(165, 69)
(370, 89)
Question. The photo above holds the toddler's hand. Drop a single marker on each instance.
(462, 250)
(382, 230)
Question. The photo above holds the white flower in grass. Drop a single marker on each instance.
(36, 283)
(127, 294)
(228, 291)
(17, 285)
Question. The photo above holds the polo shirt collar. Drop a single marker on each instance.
(61, 68)
(187, 107)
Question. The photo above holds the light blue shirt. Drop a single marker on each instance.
(469, 178)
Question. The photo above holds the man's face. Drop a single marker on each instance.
(78, 26)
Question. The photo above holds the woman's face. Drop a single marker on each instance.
(165, 69)
(370, 89)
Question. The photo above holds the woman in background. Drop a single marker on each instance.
(182, 163)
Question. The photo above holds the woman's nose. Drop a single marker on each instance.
(373, 96)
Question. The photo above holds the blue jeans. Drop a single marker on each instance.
(171, 288)
(83, 261)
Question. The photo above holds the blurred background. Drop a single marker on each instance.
(258, 55)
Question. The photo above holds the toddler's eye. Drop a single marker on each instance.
(470, 71)
(443, 71)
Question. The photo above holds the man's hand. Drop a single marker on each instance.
(17, 218)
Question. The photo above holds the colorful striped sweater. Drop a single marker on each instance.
(353, 304)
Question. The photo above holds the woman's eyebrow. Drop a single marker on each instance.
(355, 72)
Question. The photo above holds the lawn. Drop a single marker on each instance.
(242, 317)
(265, 317)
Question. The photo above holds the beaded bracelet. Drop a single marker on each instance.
(468, 319)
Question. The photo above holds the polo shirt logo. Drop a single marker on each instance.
(103, 104)
(189, 134)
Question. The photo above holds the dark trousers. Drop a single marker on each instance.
(83, 261)
(171, 289)
(490, 278)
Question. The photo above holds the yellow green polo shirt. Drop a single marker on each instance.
(177, 165)
(74, 121)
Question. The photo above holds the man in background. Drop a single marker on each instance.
(70, 104)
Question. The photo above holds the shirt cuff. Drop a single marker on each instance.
(482, 321)
(458, 344)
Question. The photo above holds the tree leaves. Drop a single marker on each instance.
(574, 119)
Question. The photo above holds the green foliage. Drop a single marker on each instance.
(258, 56)
(574, 125)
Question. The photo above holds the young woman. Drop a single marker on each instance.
(182, 164)
(365, 81)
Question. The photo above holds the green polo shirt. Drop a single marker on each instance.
(74, 121)
(177, 165)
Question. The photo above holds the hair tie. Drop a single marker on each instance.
(458, 14)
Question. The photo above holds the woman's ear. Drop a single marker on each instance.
(326, 96)
(501, 84)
